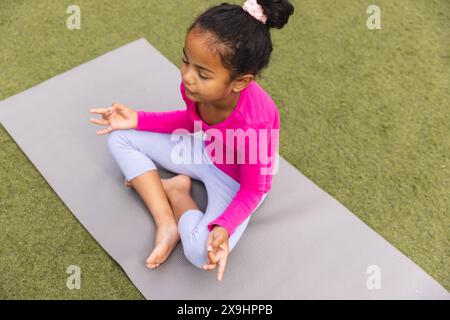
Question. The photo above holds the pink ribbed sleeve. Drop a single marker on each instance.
(164, 122)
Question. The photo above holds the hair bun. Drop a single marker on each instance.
(277, 12)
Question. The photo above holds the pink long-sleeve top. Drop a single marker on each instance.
(255, 115)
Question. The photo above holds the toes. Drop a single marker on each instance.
(153, 266)
(152, 259)
(155, 258)
(162, 250)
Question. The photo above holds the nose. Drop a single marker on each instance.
(187, 77)
(187, 81)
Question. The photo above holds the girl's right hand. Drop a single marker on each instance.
(116, 117)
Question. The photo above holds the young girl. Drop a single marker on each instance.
(225, 49)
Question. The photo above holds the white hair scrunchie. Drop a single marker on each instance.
(255, 10)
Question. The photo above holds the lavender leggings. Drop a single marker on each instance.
(136, 152)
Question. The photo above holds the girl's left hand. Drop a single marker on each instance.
(217, 250)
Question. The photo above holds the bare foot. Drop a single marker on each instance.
(167, 238)
(178, 183)
(181, 181)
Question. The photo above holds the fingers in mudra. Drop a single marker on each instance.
(107, 114)
(105, 121)
(213, 259)
(100, 121)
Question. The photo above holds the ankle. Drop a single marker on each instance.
(176, 194)
(167, 222)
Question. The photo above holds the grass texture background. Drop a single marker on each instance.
(365, 114)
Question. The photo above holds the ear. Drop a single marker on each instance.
(242, 82)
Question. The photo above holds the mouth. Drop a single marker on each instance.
(189, 91)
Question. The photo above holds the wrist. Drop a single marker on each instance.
(135, 120)
(222, 229)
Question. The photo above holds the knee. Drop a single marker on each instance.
(195, 252)
(116, 138)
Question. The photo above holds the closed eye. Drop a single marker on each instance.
(199, 74)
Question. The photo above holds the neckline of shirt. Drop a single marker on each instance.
(232, 115)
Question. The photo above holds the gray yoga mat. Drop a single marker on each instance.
(300, 244)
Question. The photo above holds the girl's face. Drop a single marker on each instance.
(204, 77)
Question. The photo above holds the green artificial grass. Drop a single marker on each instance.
(364, 114)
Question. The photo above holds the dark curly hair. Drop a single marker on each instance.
(242, 42)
